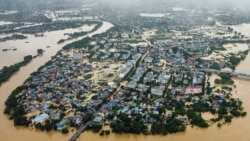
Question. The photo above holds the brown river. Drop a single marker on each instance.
(237, 130)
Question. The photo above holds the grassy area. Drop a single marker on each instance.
(161, 36)
(101, 82)
(88, 76)
(133, 41)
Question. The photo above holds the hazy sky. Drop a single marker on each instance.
(203, 3)
(220, 3)
(141, 3)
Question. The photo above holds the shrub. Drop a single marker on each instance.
(65, 130)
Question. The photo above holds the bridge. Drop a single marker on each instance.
(235, 74)
(79, 131)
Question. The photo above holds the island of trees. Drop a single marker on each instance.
(7, 72)
(82, 33)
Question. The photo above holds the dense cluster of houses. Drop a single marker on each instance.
(150, 73)
(53, 90)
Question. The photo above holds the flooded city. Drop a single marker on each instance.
(230, 132)
(140, 69)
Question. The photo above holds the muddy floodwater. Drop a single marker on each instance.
(237, 130)
(30, 45)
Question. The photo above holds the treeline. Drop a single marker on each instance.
(234, 41)
(83, 42)
(13, 37)
(51, 26)
(83, 33)
(15, 111)
(129, 125)
(7, 72)
(172, 126)
(225, 79)
(136, 125)
(77, 44)
(78, 34)
(235, 59)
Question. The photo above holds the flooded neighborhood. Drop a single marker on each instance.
(88, 71)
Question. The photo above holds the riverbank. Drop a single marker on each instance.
(30, 45)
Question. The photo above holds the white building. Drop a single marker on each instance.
(125, 70)
(131, 84)
(158, 90)
(164, 78)
(40, 118)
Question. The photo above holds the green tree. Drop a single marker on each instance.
(40, 51)
(228, 118)
(27, 58)
(65, 130)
